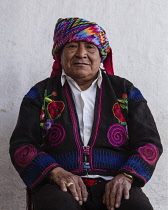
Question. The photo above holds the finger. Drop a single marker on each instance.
(63, 185)
(84, 192)
(72, 189)
(76, 190)
(126, 193)
(112, 199)
(113, 194)
(127, 187)
(80, 189)
(79, 192)
(104, 202)
(118, 196)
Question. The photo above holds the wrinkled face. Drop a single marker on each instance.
(80, 60)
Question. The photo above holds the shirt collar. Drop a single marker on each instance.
(65, 77)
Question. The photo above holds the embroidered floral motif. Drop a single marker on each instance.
(118, 113)
(24, 155)
(54, 93)
(117, 135)
(136, 95)
(52, 108)
(123, 101)
(33, 92)
(55, 109)
(56, 134)
(48, 124)
(149, 153)
(42, 115)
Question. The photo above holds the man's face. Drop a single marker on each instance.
(80, 60)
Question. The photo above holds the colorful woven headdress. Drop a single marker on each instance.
(78, 29)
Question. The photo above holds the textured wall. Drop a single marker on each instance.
(138, 33)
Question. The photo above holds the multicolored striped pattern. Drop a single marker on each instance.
(78, 29)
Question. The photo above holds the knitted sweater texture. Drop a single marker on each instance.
(124, 136)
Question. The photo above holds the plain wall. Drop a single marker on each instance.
(138, 34)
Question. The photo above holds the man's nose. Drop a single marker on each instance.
(81, 51)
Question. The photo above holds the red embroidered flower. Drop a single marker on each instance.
(54, 93)
(42, 115)
(118, 113)
(55, 109)
(124, 96)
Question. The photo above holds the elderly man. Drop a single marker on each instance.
(85, 139)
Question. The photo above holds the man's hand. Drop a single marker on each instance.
(62, 177)
(116, 188)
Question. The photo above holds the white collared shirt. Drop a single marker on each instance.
(84, 103)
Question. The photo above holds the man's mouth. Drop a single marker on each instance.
(80, 64)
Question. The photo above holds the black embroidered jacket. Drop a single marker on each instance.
(124, 135)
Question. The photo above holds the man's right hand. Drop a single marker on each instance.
(76, 186)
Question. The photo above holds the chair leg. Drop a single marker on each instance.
(29, 202)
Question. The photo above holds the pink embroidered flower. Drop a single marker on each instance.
(117, 135)
(25, 154)
(55, 134)
(149, 153)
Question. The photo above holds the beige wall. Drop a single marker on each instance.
(138, 33)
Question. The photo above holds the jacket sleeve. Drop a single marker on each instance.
(29, 160)
(144, 142)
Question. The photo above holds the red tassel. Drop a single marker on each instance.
(56, 65)
(108, 64)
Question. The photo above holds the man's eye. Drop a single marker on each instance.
(90, 46)
(72, 46)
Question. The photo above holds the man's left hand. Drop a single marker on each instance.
(115, 189)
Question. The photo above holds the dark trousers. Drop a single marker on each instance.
(50, 197)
